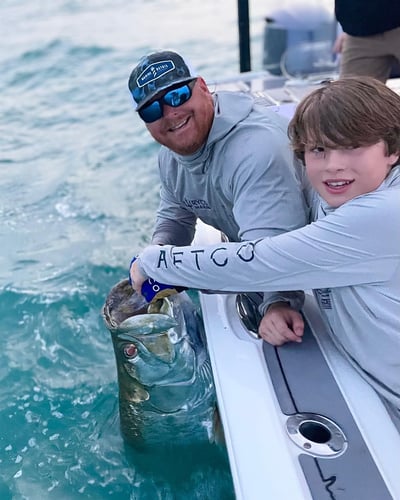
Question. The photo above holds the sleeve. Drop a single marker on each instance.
(338, 250)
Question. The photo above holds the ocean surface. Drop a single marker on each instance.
(78, 194)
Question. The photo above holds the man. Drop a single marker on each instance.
(225, 159)
(370, 42)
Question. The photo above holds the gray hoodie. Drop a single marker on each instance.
(244, 181)
(350, 257)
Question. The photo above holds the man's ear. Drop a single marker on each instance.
(202, 83)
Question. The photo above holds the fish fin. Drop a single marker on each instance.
(218, 436)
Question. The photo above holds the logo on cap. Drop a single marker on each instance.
(154, 71)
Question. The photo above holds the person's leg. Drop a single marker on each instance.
(392, 41)
(366, 56)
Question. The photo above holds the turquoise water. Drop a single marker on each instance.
(79, 189)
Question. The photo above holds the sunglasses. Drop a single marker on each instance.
(174, 98)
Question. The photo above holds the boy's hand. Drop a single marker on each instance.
(281, 324)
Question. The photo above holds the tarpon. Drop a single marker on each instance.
(166, 389)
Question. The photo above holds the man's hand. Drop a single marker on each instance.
(281, 324)
(136, 276)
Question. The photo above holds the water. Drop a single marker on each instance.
(79, 189)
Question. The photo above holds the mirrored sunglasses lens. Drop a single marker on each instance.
(151, 113)
(177, 97)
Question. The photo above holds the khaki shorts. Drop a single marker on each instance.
(371, 55)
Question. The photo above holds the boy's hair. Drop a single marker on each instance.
(347, 113)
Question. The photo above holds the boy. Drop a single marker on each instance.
(347, 133)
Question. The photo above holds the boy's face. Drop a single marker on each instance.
(340, 175)
(185, 129)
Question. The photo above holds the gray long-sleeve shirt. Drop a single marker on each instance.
(350, 257)
(245, 180)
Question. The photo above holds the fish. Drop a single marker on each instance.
(166, 388)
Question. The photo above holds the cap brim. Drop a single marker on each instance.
(163, 87)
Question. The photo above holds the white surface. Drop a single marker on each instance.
(264, 461)
(262, 458)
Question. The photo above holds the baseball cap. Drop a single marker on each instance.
(155, 72)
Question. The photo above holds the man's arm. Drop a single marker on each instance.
(268, 190)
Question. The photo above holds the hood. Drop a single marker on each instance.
(393, 179)
(230, 108)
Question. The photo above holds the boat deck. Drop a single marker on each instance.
(278, 89)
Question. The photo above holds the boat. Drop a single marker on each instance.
(300, 423)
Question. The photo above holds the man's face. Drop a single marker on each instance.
(185, 129)
(340, 175)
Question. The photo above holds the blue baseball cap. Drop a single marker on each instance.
(155, 72)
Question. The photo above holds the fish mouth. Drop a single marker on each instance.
(121, 303)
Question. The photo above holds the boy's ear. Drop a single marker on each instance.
(394, 159)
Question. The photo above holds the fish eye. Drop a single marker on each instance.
(130, 351)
